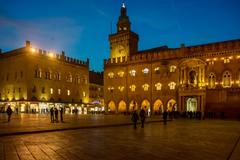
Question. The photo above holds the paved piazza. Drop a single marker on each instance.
(180, 139)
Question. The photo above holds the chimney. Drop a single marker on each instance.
(28, 43)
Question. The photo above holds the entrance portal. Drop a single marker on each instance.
(192, 104)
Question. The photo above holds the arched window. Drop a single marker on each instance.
(132, 73)
(158, 86)
(121, 88)
(110, 75)
(157, 70)
(211, 80)
(58, 76)
(172, 68)
(120, 73)
(172, 85)
(69, 77)
(226, 79)
(145, 87)
(77, 80)
(38, 73)
(145, 71)
(133, 88)
(110, 89)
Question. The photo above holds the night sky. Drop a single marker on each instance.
(81, 27)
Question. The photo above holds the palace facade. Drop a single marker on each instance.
(202, 78)
(33, 80)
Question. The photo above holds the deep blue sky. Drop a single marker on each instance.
(81, 27)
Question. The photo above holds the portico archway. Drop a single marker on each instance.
(122, 107)
(191, 104)
(171, 105)
(111, 106)
(158, 106)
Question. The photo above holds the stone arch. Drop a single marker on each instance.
(111, 106)
(133, 105)
(145, 103)
(158, 106)
(122, 107)
(172, 105)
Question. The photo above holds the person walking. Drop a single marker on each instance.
(56, 114)
(9, 113)
(61, 114)
(52, 114)
(135, 119)
(142, 116)
(165, 114)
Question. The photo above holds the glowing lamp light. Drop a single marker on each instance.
(207, 60)
(230, 57)
(51, 55)
(33, 50)
(214, 59)
(238, 57)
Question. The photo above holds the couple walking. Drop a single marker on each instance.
(135, 118)
(54, 111)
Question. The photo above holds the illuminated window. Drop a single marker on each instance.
(172, 85)
(211, 80)
(157, 70)
(158, 86)
(145, 87)
(121, 88)
(120, 73)
(145, 71)
(110, 89)
(59, 91)
(78, 80)
(110, 75)
(84, 94)
(69, 77)
(133, 73)
(133, 88)
(38, 73)
(51, 90)
(226, 79)
(226, 60)
(172, 68)
(68, 92)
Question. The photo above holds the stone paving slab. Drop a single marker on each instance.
(180, 139)
(35, 123)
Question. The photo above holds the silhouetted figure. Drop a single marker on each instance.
(52, 114)
(56, 114)
(191, 114)
(61, 114)
(9, 113)
(165, 114)
(135, 119)
(142, 116)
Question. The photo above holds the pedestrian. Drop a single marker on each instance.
(9, 113)
(61, 114)
(135, 119)
(165, 114)
(142, 116)
(52, 114)
(56, 114)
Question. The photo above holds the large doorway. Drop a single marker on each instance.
(122, 107)
(133, 106)
(111, 107)
(191, 104)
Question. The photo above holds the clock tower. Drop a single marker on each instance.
(125, 42)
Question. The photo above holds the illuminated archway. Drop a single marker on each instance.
(145, 104)
(133, 106)
(111, 106)
(158, 106)
(171, 105)
(122, 107)
(192, 104)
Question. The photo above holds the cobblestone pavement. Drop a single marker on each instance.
(25, 123)
(179, 139)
